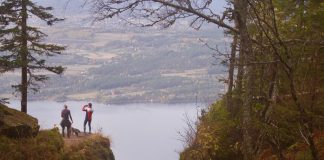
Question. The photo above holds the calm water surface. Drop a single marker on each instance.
(137, 131)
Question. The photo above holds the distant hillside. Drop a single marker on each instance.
(117, 63)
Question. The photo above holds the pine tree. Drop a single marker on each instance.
(22, 46)
(4, 63)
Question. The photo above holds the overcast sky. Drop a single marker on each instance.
(67, 7)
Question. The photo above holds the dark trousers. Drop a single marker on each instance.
(85, 123)
(67, 124)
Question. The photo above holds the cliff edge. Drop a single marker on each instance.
(20, 138)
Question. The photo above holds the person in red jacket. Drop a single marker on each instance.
(88, 117)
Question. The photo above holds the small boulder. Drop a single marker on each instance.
(16, 124)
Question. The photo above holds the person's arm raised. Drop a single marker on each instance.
(84, 108)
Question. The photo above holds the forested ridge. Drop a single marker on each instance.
(274, 105)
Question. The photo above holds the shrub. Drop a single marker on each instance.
(48, 144)
(217, 137)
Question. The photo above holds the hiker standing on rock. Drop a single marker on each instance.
(88, 117)
(66, 114)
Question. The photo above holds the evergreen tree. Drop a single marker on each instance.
(4, 63)
(22, 44)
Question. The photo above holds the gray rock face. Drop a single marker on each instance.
(16, 124)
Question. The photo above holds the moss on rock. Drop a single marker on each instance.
(16, 124)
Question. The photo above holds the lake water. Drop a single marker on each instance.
(137, 131)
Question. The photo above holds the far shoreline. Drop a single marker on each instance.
(197, 104)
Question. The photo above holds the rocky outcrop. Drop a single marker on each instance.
(16, 124)
(94, 146)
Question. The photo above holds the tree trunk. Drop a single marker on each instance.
(23, 54)
(240, 7)
(229, 99)
(240, 71)
(239, 76)
(314, 97)
(312, 146)
(272, 90)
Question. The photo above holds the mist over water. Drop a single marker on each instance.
(137, 131)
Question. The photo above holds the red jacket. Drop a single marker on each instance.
(88, 111)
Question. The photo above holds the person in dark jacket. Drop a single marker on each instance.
(66, 114)
(88, 117)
